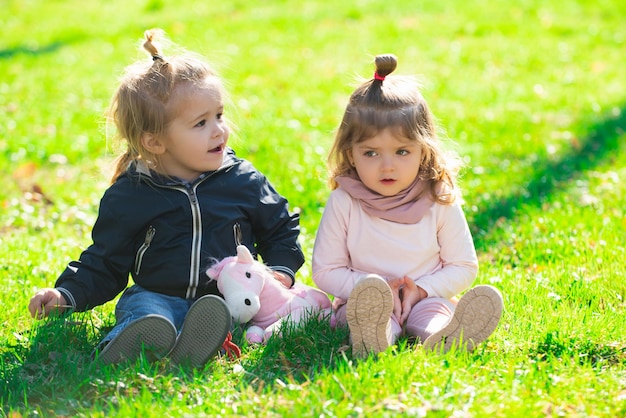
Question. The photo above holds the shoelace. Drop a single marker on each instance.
(231, 349)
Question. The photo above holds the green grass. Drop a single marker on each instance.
(531, 93)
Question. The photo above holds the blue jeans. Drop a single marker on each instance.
(137, 302)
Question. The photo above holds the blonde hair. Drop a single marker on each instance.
(139, 105)
(394, 102)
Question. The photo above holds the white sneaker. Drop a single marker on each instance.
(368, 312)
(475, 318)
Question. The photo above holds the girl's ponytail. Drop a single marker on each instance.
(385, 65)
(152, 45)
(121, 164)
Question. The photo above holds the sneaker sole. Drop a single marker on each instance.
(205, 328)
(154, 335)
(368, 312)
(475, 318)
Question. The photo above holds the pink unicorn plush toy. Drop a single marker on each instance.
(255, 297)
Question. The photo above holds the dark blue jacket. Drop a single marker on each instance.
(165, 233)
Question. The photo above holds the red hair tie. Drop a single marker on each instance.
(378, 77)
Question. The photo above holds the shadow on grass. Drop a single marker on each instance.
(580, 351)
(52, 364)
(55, 352)
(27, 50)
(299, 354)
(599, 145)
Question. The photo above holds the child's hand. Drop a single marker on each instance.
(395, 285)
(411, 294)
(46, 301)
(283, 278)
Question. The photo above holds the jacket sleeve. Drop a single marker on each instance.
(101, 272)
(276, 230)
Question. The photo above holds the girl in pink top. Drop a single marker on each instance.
(393, 245)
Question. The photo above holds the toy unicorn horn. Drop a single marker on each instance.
(256, 298)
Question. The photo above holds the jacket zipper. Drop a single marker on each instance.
(144, 247)
(196, 241)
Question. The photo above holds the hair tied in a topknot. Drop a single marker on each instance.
(385, 64)
(150, 44)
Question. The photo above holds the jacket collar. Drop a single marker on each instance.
(139, 169)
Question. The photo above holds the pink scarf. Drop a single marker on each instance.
(407, 207)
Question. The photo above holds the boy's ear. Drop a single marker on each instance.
(152, 143)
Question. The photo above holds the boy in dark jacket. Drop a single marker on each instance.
(179, 198)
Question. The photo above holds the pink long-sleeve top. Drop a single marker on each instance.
(437, 252)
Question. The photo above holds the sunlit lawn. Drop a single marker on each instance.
(531, 93)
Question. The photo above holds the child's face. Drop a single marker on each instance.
(196, 137)
(386, 163)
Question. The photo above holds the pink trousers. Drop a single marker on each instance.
(427, 317)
